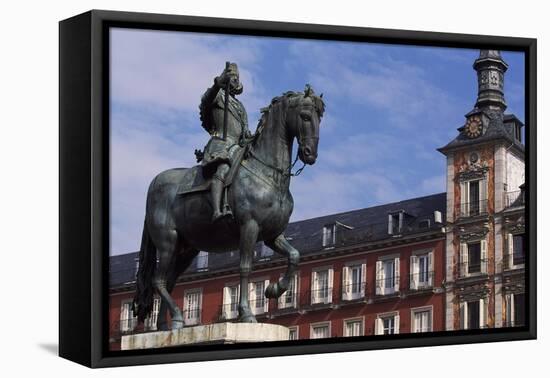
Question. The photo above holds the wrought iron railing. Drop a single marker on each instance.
(230, 311)
(472, 209)
(514, 323)
(515, 198)
(473, 268)
(353, 291)
(318, 296)
(511, 261)
(421, 280)
(388, 285)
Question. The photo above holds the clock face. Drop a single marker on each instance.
(473, 127)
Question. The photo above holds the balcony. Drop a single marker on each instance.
(513, 261)
(472, 209)
(354, 292)
(473, 268)
(514, 199)
(421, 281)
(514, 323)
(387, 286)
(230, 311)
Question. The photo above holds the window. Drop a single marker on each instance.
(127, 319)
(353, 281)
(202, 260)
(423, 224)
(473, 314)
(421, 320)
(421, 271)
(518, 249)
(192, 307)
(321, 285)
(137, 265)
(289, 297)
(150, 323)
(353, 327)
(473, 201)
(258, 302)
(293, 333)
(515, 310)
(395, 223)
(329, 235)
(230, 307)
(473, 197)
(473, 258)
(320, 330)
(387, 276)
(517, 132)
(387, 324)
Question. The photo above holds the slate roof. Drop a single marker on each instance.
(353, 227)
(501, 126)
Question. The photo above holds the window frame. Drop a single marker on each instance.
(379, 325)
(327, 324)
(186, 293)
(418, 310)
(346, 321)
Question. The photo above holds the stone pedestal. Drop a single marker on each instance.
(218, 333)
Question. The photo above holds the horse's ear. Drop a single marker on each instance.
(308, 91)
(321, 95)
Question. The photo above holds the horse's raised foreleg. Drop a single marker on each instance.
(166, 242)
(248, 239)
(283, 247)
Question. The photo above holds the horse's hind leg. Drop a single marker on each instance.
(183, 261)
(167, 246)
(283, 247)
(249, 237)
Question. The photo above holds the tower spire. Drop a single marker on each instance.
(490, 69)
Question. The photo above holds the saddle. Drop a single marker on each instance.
(194, 181)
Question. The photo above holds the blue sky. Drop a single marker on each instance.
(388, 107)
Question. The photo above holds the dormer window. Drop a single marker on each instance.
(395, 223)
(202, 260)
(329, 235)
(517, 132)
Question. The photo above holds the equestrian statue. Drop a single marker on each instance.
(237, 196)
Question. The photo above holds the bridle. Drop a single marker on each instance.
(288, 171)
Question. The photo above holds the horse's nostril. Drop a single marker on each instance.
(307, 151)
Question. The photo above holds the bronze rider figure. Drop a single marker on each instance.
(224, 117)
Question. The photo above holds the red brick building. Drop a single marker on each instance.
(372, 271)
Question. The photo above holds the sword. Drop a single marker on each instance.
(226, 104)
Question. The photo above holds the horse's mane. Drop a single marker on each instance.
(291, 97)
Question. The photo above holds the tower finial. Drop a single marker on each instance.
(490, 69)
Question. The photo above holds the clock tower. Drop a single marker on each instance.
(485, 278)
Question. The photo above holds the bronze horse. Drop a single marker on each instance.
(178, 227)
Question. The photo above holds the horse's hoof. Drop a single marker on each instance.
(177, 324)
(163, 327)
(248, 319)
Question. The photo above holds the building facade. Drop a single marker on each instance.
(485, 242)
(448, 261)
(372, 271)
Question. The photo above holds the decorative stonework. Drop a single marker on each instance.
(470, 235)
(515, 225)
(473, 172)
(473, 292)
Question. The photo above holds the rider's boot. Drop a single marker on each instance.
(216, 190)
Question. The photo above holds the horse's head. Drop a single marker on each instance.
(303, 118)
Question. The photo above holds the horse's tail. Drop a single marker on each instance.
(143, 300)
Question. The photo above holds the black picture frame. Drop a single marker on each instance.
(84, 185)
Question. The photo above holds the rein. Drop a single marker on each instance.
(283, 172)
